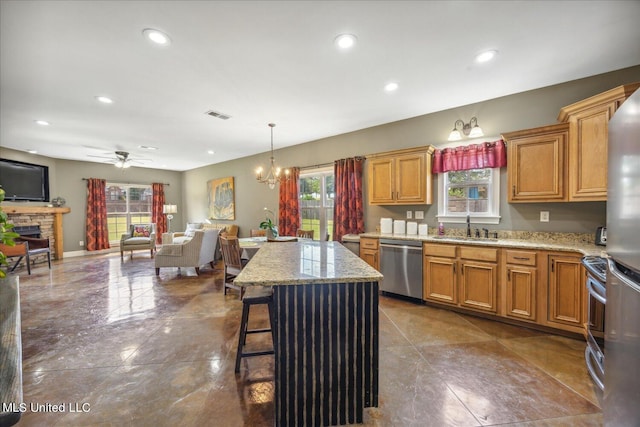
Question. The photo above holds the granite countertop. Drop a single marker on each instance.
(563, 242)
(305, 262)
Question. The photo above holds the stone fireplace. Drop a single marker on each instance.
(48, 219)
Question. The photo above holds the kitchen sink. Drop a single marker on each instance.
(466, 239)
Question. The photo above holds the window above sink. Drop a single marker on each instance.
(474, 192)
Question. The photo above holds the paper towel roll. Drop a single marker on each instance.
(412, 227)
(423, 229)
(399, 226)
(386, 225)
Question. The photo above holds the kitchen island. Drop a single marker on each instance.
(326, 330)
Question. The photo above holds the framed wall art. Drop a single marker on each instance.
(221, 198)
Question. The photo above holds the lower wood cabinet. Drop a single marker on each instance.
(370, 251)
(566, 290)
(520, 284)
(465, 276)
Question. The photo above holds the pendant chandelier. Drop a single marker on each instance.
(273, 176)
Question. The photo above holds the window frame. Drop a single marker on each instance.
(324, 172)
(127, 214)
(492, 216)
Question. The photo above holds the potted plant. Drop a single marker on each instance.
(6, 235)
(269, 226)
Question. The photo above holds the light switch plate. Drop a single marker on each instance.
(409, 215)
(544, 216)
(419, 214)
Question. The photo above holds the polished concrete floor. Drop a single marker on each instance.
(119, 346)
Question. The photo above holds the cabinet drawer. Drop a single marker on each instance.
(368, 243)
(479, 254)
(521, 257)
(446, 251)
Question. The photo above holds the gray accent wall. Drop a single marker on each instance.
(514, 112)
(189, 189)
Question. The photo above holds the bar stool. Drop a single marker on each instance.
(254, 296)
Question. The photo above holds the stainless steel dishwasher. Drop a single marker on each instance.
(401, 265)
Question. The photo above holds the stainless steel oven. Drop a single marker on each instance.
(596, 287)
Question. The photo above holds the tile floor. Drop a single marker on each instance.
(133, 349)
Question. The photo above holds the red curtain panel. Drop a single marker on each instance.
(474, 156)
(348, 212)
(157, 216)
(97, 231)
(289, 211)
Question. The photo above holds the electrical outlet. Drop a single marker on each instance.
(409, 215)
(544, 216)
(419, 214)
(81, 243)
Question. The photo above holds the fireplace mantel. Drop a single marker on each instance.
(15, 211)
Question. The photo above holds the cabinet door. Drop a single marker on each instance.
(478, 284)
(370, 256)
(589, 135)
(521, 292)
(410, 182)
(536, 170)
(566, 290)
(381, 181)
(439, 280)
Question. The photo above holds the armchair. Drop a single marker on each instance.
(140, 236)
(195, 252)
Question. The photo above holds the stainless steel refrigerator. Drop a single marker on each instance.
(622, 314)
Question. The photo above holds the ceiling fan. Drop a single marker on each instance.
(122, 159)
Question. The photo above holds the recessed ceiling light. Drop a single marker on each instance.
(345, 41)
(42, 122)
(104, 99)
(147, 147)
(156, 36)
(32, 151)
(486, 56)
(390, 87)
(211, 152)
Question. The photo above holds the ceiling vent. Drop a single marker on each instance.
(218, 115)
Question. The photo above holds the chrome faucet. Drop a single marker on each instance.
(468, 226)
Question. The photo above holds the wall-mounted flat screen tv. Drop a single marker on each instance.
(24, 181)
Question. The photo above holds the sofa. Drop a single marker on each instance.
(194, 252)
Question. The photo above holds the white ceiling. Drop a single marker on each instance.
(269, 61)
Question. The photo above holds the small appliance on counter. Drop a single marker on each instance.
(386, 225)
(601, 236)
(412, 228)
(399, 226)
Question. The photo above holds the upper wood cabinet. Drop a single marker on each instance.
(400, 177)
(536, 161)
(588, 137)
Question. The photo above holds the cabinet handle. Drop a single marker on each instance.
(553, 265)
(508, 275)
(454, 268)
(521, 258)
(513, 191)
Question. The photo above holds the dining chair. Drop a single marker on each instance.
(306, 234)
(257, 232)
(233, 265)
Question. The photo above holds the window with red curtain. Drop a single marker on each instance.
(157, 202)
(96, 221)
(348, 213)
(474, 156)
(288, 212)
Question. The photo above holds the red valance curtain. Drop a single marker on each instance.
(474, 156)
(348, 211)
(289, 211)
(157, 203)
(97, 231)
